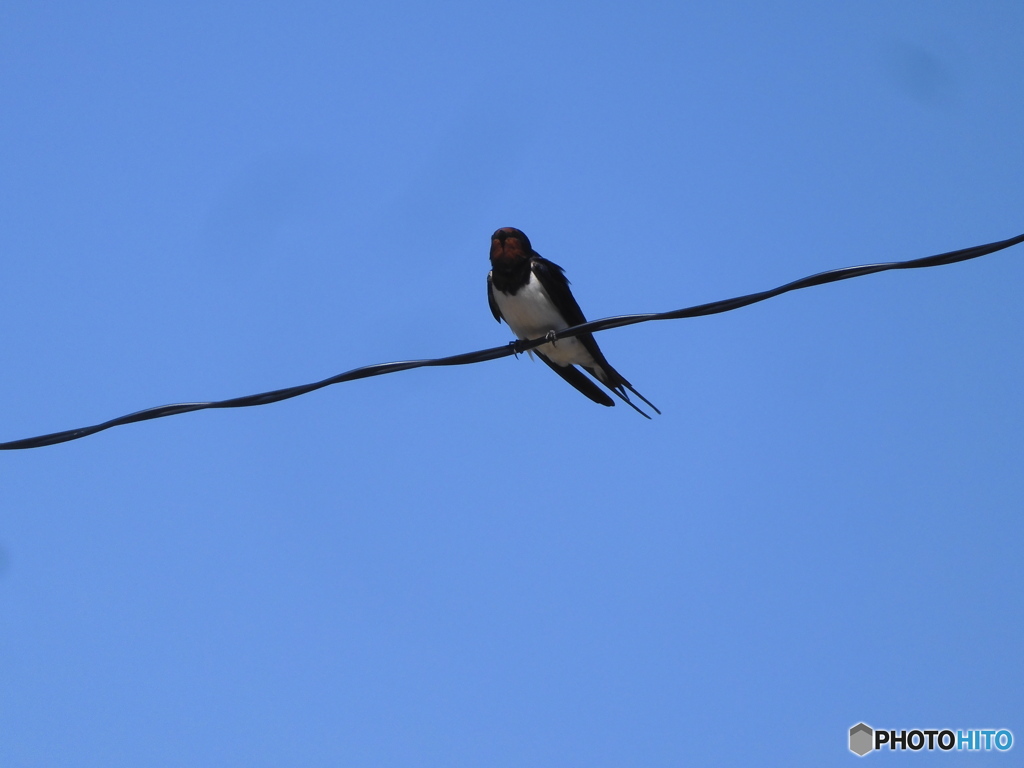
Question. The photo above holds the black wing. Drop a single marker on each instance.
(575, 376)
(490, 300)
(552, 277)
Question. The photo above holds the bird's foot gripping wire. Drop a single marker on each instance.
(550, 336)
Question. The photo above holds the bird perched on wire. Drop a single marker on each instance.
(532, 295)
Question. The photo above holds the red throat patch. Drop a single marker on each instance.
(508, 250)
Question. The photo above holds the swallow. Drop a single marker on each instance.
(532, 295)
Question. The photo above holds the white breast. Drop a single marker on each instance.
(530, 314)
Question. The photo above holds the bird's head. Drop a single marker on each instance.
(509, 247)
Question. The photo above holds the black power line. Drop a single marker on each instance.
(467, 358)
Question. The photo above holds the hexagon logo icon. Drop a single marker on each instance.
(861, 738)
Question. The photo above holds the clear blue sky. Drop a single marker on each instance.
(478, 566)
